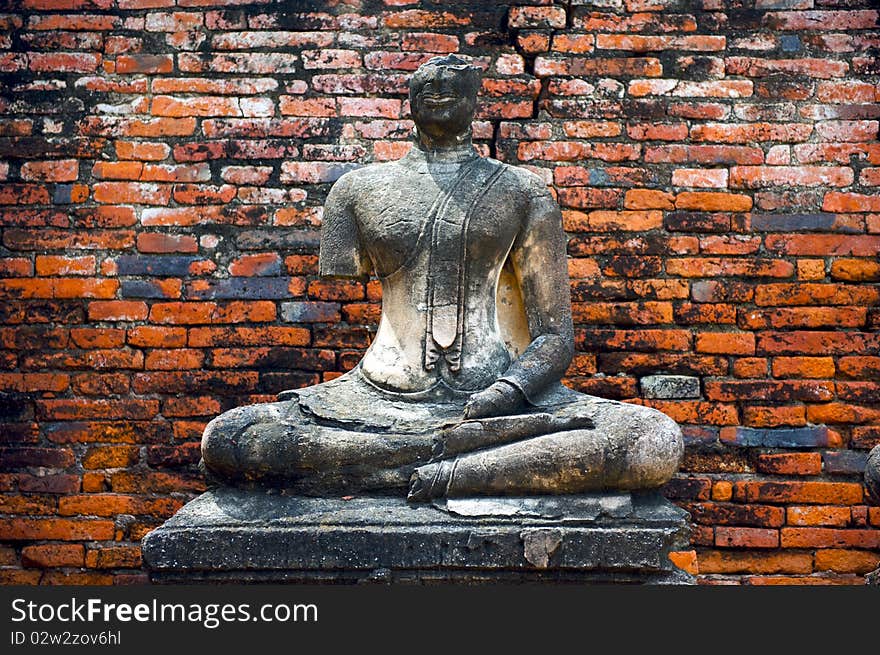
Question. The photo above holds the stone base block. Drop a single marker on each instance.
(231, 535)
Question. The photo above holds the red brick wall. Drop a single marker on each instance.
(162, 171)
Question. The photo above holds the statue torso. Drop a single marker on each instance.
(437, 234)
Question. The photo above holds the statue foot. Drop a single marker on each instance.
(430, 481)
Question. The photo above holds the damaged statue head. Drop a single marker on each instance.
(459, 393)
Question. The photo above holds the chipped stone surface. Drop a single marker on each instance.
(562, 508)
(540, 545)
(254, 536)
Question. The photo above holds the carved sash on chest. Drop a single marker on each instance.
(447, 228)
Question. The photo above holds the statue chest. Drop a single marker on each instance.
(458, 214)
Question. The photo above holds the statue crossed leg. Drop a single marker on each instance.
(572, 444)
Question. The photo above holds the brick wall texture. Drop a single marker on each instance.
(162, 171)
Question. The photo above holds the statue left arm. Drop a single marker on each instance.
(540, 264)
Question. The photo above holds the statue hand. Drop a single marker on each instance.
(496, 400)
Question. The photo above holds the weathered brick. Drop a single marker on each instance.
(790, 463)
(829, 538)
(844, 462)
(809, 436)
(846, 561)
(774, 416)
(828, 515)
(30, 529)
(746, 537)
(735, 514)
(798, 492)
(734, 562)
(53, 555)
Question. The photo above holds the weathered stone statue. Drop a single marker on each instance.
(459, 393)
(458, 400)
(872, 476)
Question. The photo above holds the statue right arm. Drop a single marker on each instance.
(341, 253)
(540, 263)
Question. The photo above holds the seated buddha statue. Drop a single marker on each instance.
(459, 393)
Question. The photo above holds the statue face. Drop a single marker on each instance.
(443, 97)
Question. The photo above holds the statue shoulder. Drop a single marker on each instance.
(527, 183)
(355, 182)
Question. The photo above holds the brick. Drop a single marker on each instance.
(856, 367)
(113, 504)
(725, 343)
(66, 170)
(855, 270)
(746, 537)
(803, 367)
(174, 456)
(836, 201)
(201, 406)
(117, 310)
(709, 201)
(811, 269)
(749, 367)
(687, 488)
(809, 67)
(53, 555)
(110, 457)
(704, 154)
(735, 562)
(751, 177)
(811, 515)
(258, 264)
(29, 529)
(844, 462)
(114, 557)
(774, 391)
(700, 177)
(187, 313)
(143, 63)
(809, 436)
(842, 413)
(57, 265)
(774, 416)
(21, 457)
(751, 132)
(697, 412)
(823, 244)
(798, 492)
(797, 342)
(829, 538)
(736, 514)
(648, 199)
(790, 463)
(178, 359)
(722, 490)
(685, 560)
(160, 483)
(715, 314)
(846, 561)
(611, 67)
(248, 336)
(640, 43)
(533, 17)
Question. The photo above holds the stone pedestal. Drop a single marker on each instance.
(230, 535)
